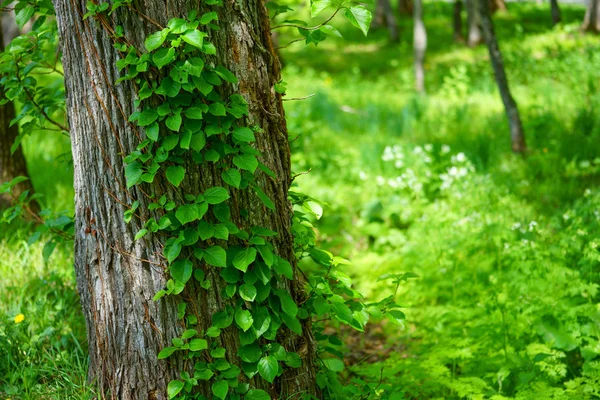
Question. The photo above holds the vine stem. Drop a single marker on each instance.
(307, 28)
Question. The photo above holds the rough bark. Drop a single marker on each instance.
(11, 165)
(420, 46)
(591, 20)
(384, 16)
(555, 12)
(512, 112)
(117, 276)
(457, 21)
(474, 36)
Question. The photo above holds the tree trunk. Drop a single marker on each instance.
(497, 5)
(384, 16)
(473, 21)
(591, 21)
(457, 22)
(118, 276)
(11, 165)
(420, 45)
(405, 7)
(555, 11)
(512, 112)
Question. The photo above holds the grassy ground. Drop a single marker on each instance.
(506, 306)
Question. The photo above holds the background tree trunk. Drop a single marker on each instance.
(118, 276)
(457, 21)
(512, 112)
(420, 46)
(405, 7)
(473, 21)
(384, 16)
(555, 11)
(591, 21)
(11, 165)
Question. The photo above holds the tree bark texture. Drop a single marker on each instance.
(117, 276)
(512, 112)
(420, 46)
(591, 21)
(457, 21)
(11, 165)
(555, 11)
(405, 7)
(474, 36)
(384, 16)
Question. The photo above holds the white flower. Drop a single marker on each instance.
(418, 150)
(460, 157)
(380, 180)
(445, 149)
(516, 225)
(532, 226)
(428, 147)
(399, 164)
(362, 176)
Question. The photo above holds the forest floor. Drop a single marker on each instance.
(506, 246)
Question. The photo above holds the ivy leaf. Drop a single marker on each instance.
(220, 389)
(24, 16)
(189, 333)
(244, 134)
(226, 74)
(186, 138)
(232, 177)
(246, 162)
(194, 37)
(244, 258)
(360, 17)
(198, 344)
(166, 352)
(208, 17)
(216, 256)
(244, 319)
(215, 195)
(288, 305)
(163, 57)
(193, 113)
(247, 292)
(175, 174)
(155, 40)
(267, 368)
(152, 131)
(250, 353)
(187, 213)
(217, 109)
(292, 323)
(283, 267)
(198, 141)
(147, 117)
(317, 6)
(205, 230)
(257, 394)
(173, 122)
(266, 200)
(181, 270)
(174, 388)
(133, 173)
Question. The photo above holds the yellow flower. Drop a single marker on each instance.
(19, 318)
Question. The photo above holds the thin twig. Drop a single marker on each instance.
(300, 98)
(307, 28)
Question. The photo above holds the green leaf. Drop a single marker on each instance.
(244, 134)
(189, 333)
(283, 267)
(174, 388)
(155, 40)
(198, 141)
(208, 17)
(152, 131)
(247, 292)
(220, 389)
(257, 394)
(147, 117)
(292, 323)
(334, 364)
(244, 319)
(133, 173)
(198, 344)
(205, 230)
(181, 270)
(215, 195)
(226, 74)
(187, 213)
(217, 109)
(244, 258)
(232, 177)
(166, 352)
(141, 233)
(216, 256)
(317, 6)
(163, 57)
(24, 16)
(175, 174)
(250, 353)
(360, 17)
(246, 162)
(193, 113)
(266, 200)
(288, 305)
(267, 368)
(186, 138)
(194, 37)
(173, 122)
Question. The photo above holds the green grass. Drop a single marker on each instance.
(501, 310)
